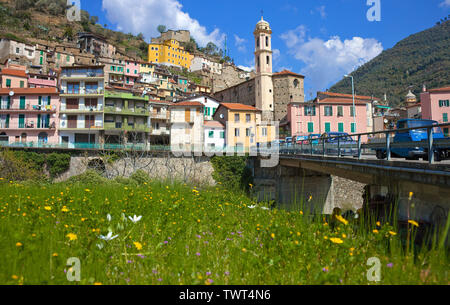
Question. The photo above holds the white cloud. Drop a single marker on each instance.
(246, 68)
(445, 3)
(327, 61)
(145, 15)
(240, 43)
(321, 10)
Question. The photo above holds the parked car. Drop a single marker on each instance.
(415, 135)
(313, 137)
(288, 141)
(300, 139)
(339, 141)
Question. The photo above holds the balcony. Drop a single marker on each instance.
(120, 126)
(30, 108)
(127, 111)
(91, 76)
(161, 116)
(82, 92)
(95, 109)
(31, 126)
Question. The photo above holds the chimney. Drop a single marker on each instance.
(424, 88)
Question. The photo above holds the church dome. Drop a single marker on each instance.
(262, 25)
(410, 95)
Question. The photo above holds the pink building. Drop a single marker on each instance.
(331, 112)
(12, 78)
(131, 73)
(436, 106)
(42, 81)
(29, 115)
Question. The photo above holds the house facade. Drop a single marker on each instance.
(82, 103)
(29, 116)
(436, 105)
(186, 130)
(169, 53)
(214, 135)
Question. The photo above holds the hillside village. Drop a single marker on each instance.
(87, 93)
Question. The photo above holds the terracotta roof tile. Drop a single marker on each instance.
(237, 106)
(443, 89)
(29, 90)
(287, 72)
(362, 97)
(213, 124)
(342, 101)
(189, 104)
(14, 72)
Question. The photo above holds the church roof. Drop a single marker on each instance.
(287, 72)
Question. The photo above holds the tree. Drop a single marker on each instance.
(161, 28)
(211, 48)
(94, 20)
(140, 36)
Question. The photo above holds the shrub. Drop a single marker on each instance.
(89, 177)
(57, 163)
(140, 177)
(125, 181)
(15, 168)
(231, 172)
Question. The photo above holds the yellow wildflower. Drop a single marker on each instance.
(414, 223)
(272, 235)
(64, 209)
(97, 283)
(55, 254)
(18, 244)
(244, 250)
(344, 236)
(392, 233)
(71, 236)
(138, 245)
(410, 195)
(48, 208)
(14, 277)
(378, 224)
(336, 240)
(341, 219)
(375, 231)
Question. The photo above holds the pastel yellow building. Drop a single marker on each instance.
(169, 53)
(243, 127)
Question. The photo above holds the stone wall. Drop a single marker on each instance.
(284, 92)
(196, 170)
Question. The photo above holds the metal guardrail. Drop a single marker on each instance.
(357, 149)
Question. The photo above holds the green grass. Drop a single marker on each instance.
(191, 236)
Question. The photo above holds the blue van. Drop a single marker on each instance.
(415, 135)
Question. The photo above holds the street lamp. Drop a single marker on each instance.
(353, 95)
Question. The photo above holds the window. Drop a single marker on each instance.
(247, 132)
(264, 132)
(73, 88)
(327, 127)
(445, 117)
(222, 134)
(352, 111)
(267, 41)
(17, 50)
(340, 111)
(236, 118)
(341, 127)
(236, 132)
(247, 118)
(295, 83)
(444, 103)
(328, 110)
(310, 110)
(353, 128)
(310, 127)
(211, 134)
(267, 59)
(8, 83)
(22, 84)
(68, 58)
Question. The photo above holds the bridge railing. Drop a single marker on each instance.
(431, 148)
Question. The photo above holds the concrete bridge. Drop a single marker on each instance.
(421, 189)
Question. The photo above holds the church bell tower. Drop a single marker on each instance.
(263, 66)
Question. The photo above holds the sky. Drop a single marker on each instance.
(320, 39)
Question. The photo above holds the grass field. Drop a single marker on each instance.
(192, 236)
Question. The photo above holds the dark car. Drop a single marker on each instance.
(339, 143)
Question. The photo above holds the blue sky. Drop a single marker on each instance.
(321, 39)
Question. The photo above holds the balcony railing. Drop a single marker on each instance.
(27, 125)
(49, 108)
(83, 92)
(80, 108)
(127, 111)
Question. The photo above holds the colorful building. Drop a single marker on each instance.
(186, 130)
(82, 102)
(42, 81)
(169, 53)
(436, 106)
(29, 116)
(331, 112)
(12, 78)
(214, 136)
(131, 72)
(243, 129)
(126, 117)
(160, 121)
